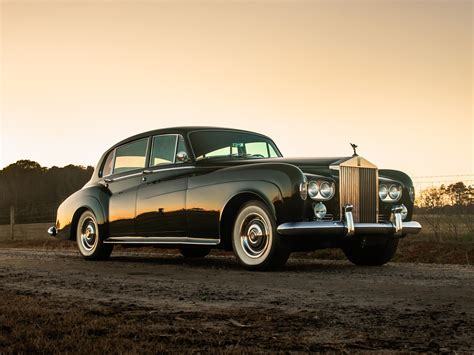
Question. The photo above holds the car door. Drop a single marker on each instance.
(161, 197)
(129, 162)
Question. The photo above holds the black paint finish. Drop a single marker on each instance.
(195, 198)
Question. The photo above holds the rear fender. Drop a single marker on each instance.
(72, 208)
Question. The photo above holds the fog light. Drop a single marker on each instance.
(404, 212)
(320, 210)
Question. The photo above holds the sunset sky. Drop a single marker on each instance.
(395, 77)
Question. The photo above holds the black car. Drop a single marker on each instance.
(198, 188)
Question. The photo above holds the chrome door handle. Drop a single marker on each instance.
(147, 171)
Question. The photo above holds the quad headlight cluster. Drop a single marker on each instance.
(318, 190)
(390, 193)
(321, 190)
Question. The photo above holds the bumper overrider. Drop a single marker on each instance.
(347, 227)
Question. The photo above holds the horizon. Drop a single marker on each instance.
(395, 78)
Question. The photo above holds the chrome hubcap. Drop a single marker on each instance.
(254, 235)
(88, 234)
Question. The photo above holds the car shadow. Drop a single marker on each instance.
(231, 263)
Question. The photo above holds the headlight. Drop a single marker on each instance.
(383, 192)
(326, 190)
(392, 193)
(321, 190)
(395, 192)
(313, 189)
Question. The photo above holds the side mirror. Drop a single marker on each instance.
(182, 157)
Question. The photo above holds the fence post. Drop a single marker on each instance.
(12, 222)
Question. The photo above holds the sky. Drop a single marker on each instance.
(394, 77)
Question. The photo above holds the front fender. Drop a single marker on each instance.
(286, 177)
(275, 184)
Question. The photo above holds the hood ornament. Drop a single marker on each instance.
(354, 147)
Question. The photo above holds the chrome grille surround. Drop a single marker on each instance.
(358, 186)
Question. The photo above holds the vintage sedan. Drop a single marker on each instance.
(198, 188)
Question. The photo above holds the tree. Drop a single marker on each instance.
(35, 191)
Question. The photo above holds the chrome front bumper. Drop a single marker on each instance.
(348, 228)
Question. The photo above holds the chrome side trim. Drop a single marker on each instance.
(161, 240)
(123, 177)
(173, 168)
(146, 171)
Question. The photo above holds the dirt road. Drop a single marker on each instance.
(56, 301)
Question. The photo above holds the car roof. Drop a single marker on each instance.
(183, 130)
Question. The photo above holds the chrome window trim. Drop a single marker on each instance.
(105, 160)
(176, 148)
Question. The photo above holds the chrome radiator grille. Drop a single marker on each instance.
(358, 186)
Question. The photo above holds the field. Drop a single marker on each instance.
(152, 300)
(54, 301)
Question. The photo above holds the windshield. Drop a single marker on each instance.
(234, 144)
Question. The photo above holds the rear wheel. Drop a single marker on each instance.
(196, 251)
(87, 238)
(375, 255)
(255, 240)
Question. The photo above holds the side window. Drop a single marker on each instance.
(131, 156)
(163, 150)
(108, 165)
(273, 154)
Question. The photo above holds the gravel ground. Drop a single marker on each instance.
(55, 301)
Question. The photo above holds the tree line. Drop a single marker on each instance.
(36, 191)
(448, 211)
(450, 198)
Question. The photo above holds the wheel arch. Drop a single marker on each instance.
(230, 210)
(94, 206)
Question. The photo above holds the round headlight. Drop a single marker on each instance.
(394, 192)
(326, 189)
(383, 192)
(313, 189)
(320, 210)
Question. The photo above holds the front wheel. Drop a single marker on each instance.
(87, 238)
(375, 255)
(255, 240)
